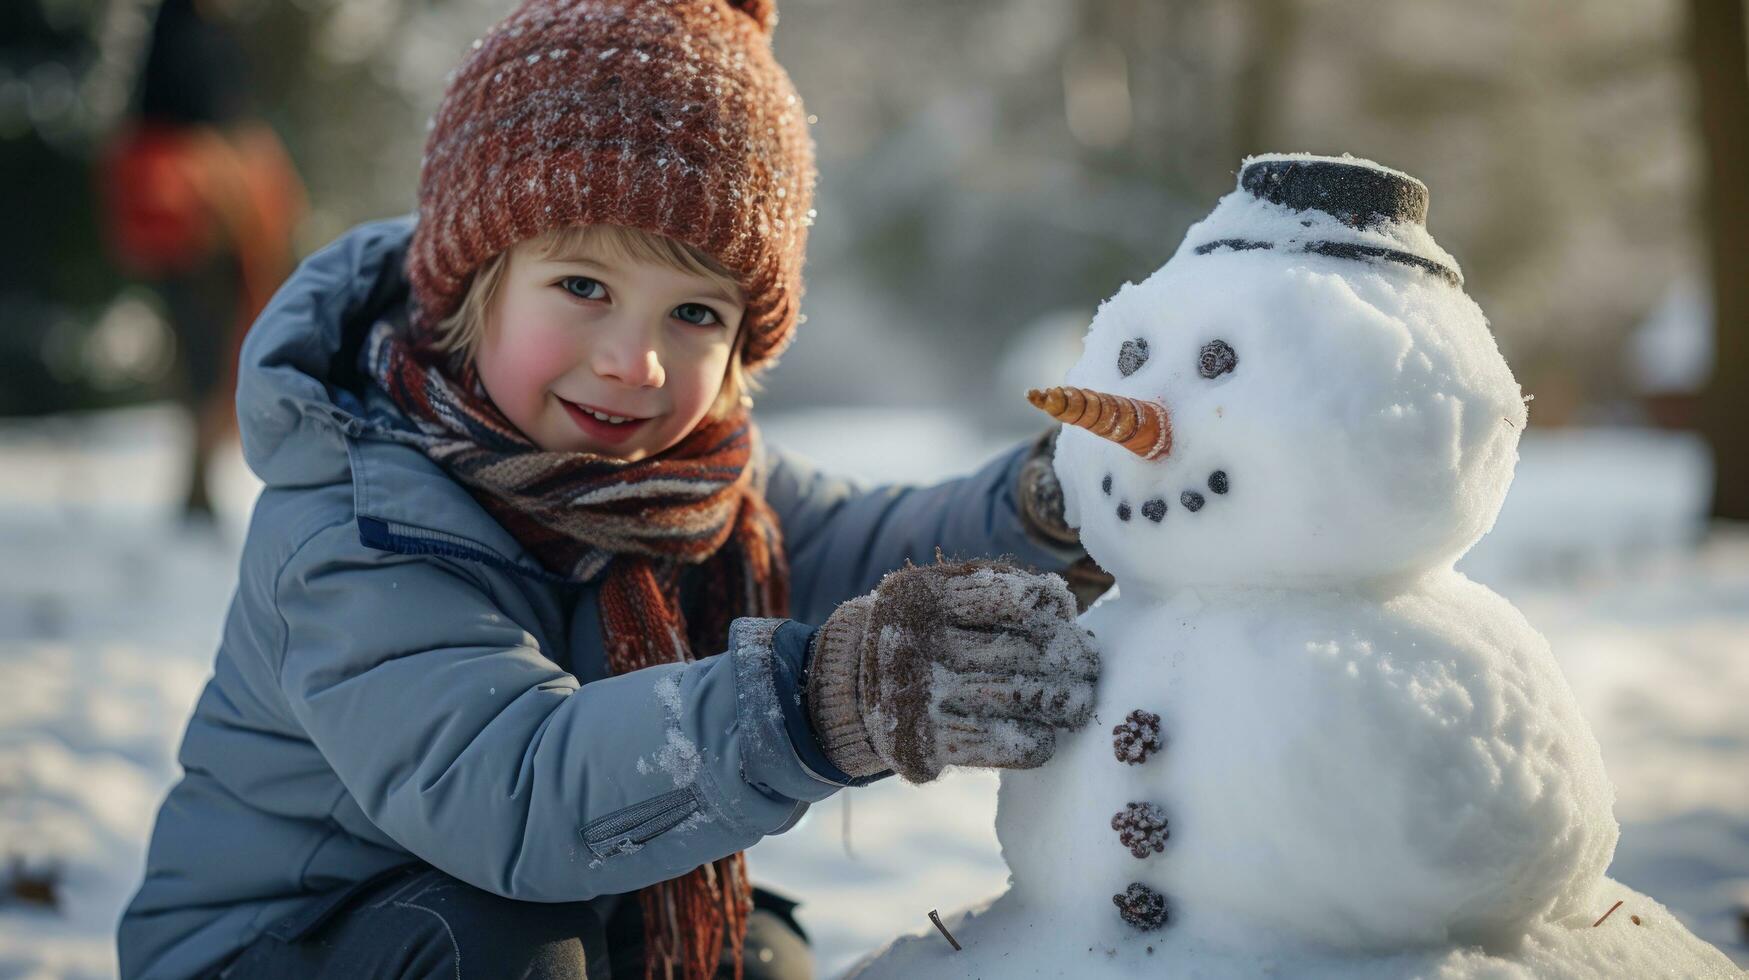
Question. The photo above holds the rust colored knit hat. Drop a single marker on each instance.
(668, 116)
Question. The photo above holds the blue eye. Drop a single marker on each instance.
(697, 314)
(583, 287)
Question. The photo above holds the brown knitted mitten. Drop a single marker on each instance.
(969, 663)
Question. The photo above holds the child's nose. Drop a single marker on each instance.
(629, 359)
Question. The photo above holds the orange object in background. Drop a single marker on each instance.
(175, 195)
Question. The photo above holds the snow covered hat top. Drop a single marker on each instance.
(1354, 191)
(1343, 207)
(669, 116)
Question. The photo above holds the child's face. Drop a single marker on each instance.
(623, 336)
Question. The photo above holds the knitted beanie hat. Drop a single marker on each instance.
(668, 116)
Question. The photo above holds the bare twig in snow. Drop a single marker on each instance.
(935, 917)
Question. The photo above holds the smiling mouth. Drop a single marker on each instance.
(601, 415)
(599, 425)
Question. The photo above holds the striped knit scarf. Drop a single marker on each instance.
(692, 504)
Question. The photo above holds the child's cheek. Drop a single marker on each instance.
(533, 358)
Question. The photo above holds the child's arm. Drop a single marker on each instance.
(461, 740)
(841, 538)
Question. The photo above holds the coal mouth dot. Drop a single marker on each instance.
(1216, 358)
(1123, 511)
(1105, 484)
(1191, 500)
(1154, 510)
(1218, 481)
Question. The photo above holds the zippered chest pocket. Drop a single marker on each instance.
(627, 830)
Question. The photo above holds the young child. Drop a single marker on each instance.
(519, 660)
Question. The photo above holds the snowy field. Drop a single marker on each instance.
(109, 612)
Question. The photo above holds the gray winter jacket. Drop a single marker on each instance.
(398, 679)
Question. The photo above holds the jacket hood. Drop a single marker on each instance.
(297, 380)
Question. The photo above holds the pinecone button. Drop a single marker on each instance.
(1137, 737)
(1141, 827)
(1141, 906)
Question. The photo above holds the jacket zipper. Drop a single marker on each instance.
(627, 830)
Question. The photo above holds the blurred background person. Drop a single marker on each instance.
(200, 199)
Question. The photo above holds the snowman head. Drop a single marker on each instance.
(1303, 396)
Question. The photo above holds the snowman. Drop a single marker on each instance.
(1319, 749)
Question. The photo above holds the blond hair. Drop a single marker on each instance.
(459, 334)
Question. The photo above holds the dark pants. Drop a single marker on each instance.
(417, 923)
(202, 307)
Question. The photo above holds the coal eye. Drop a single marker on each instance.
(1131, 356)
(1217, 358)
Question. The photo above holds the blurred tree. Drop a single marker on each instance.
(53, 280)
(1717, 42)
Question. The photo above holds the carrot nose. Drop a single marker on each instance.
(1142, 427)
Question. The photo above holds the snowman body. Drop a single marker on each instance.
(1350, 770)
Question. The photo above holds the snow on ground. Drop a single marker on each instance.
(109, 611)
